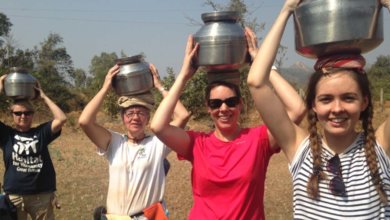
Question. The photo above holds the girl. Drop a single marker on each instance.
(338, 170)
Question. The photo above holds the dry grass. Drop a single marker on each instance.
(82, 175)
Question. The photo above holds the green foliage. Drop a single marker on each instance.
(379, 75)
(98, 70)
(5, 25)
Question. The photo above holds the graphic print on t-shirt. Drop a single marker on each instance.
(23, 155)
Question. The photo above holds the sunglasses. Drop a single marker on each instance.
(336, 184)
(217, 103)
(26, 113)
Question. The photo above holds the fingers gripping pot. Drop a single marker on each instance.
(324, 27)
(134, 76)
(19, 84)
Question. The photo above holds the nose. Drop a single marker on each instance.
(337, 106)
(223, 107)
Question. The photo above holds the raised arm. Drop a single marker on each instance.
(175, 137)
(272, 110)
(180, 113)
(293, 103)
(386, 4)
(382, 135)
(99, 135)
(291, 100)
(2, 78)
(59, 117)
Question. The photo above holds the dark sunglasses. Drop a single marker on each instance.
(230, 102)
(27, 113)
(336, 184)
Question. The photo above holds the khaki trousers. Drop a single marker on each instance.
(38, 206)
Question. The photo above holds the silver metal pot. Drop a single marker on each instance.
(222, 42)
(134, 76)
(19, 84)
(324, 27)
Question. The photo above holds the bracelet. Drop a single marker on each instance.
(162, 89)
(274, 67)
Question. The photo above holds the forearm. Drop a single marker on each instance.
(292, 101)
(169, 105)
(261, 67)
(58, 114)
(88, 115)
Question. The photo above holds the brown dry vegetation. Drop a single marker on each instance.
(82, 175)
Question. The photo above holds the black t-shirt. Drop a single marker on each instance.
(28, 166)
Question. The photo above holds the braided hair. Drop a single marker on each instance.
(369, 135)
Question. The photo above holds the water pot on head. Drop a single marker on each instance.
(324, 27)
(222, 42)
(134, 76)
(19, 84)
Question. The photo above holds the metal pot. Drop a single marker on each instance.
(19, 84)
(134, 76)
(324, 27)
(222, 42)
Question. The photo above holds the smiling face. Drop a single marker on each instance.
(23, 116)
(338, 103)
(135, 118)
(225, 118)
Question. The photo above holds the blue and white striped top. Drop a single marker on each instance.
(361, 200)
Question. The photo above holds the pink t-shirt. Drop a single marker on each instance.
(228, 177)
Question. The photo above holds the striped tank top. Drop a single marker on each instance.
(361, 200)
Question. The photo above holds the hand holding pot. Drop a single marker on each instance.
(386, 3)
(189, 66)
(2, 78)
(156, 77)
(109, 77)
(252, 42)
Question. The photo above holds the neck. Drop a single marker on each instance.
(136, 138)
(228, 135)
(339, 144)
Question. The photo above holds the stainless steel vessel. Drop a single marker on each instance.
(19, 84)
(134, 76)
(222, 42)
(324, 27)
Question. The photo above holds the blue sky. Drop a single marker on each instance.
(157, 28)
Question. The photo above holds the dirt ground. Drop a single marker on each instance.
(82, 175)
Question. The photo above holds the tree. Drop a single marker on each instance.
(379, 75)
(80, 78)
(98, 70)
(53, 67)
(5, 28)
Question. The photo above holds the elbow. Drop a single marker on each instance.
(155, 127)
(63, 120)
(254, 83)
(83, 122)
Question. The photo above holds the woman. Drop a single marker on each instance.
(228, 164)
(338, 171)
(136, 159)
(30, 178)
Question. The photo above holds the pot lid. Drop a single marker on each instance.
(19, 74)
(220, 16)
(129, 60)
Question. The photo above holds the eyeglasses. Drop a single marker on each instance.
(26, 113)
(217, 103)
(336, 184)
(131, 114)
